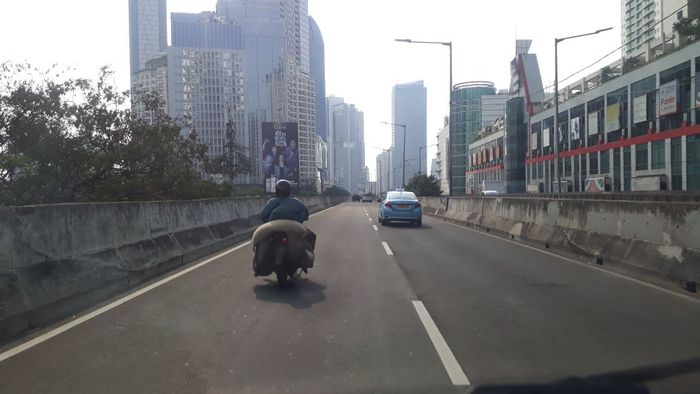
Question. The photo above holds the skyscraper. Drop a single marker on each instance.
(331, 103)
(466, 118)
(409, 107)
(318, 74)
(641, 23)
(349, 147)
(148, 33)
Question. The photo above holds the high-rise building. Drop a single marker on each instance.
(642, 26)
(409, 108)
(349, 147)
(466, 118)
(148, 32)
(384, 171)
(205, 79)
(318, 74)
(278, 84)
(442, 159)
(150, 84)
(331, 103)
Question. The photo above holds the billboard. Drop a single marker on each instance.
(640, 109)
(697, 90)
(668, 98)
(575, 129)
(612, 117)
(593, 123)
(280, 153)
(545, 137)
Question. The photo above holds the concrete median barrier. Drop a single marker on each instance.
(56, 260)
(656, 240)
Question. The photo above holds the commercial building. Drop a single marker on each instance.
(331, 103)
(348, 147)
(409, 108)
(322, 162)
(441, 157)
(498, 153)
(635, 132)
(466, 118)
(384, 171)
(149, 87)
(317, 68)
(648, 24)
(148, 32)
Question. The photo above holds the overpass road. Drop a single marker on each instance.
(386, 309)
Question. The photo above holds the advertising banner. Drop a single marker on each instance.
(668, 98)
(612, 117)
(545, 137)
(280, 153)
(640, 109)
(575, 129)
(593, 123)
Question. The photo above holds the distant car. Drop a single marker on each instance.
(490, 193)
(401, 206)
(356, 197)
(367, 198)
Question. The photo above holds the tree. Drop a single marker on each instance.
(335, 191)
(71, 140)
(424, 185)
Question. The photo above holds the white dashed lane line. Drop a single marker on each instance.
(387, 248)
(375, 227)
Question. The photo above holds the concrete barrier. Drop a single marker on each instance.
(58, 259)
(654, 239)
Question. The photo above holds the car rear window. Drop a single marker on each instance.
(401, 196)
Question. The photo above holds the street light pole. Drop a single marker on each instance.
(420, 159)
(449, 101)
(557, 172)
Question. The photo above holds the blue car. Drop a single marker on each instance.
(401, 206)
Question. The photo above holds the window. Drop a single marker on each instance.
(627, 167)
(693, 161)
(679, 15)
(641, 158)
(676, 165)
(593, 163)
(658, 155)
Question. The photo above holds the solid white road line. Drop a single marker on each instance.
(612, 273)
(375, 227)
(61, 329)
(46, 336)
(446, 356)
(387, 249)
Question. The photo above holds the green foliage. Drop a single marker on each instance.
(687, 27)
(71, 140)
(336, 191)
(424, 185)
(631, 64)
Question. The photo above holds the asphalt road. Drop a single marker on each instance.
(491, 311)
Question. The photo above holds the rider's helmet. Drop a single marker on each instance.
(283, 188)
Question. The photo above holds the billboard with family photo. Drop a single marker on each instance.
(280, 153)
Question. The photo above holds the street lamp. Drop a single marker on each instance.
(557, 173)
(403, 157)
(449, 45)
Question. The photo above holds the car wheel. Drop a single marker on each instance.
(419, 223)
(383, 222)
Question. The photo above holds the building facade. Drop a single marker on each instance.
(349, 147)
(409, 108)
(317, 68)
(150, 84)
(384, 171)
(442, 159)
(648, 23)
(636, 132)
(466, 118)
(331, 103)
(148, 31)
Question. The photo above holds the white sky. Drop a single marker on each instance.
(362, 60)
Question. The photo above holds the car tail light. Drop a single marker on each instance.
(388, 204)
(418, 205)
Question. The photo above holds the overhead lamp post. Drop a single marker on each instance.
(403, 157)
(449, 97)
(557, 173)
(420, 157)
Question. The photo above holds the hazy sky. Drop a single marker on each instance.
(362, 60)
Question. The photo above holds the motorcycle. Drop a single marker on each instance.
(284, 247)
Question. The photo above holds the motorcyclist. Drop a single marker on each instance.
(284, 206)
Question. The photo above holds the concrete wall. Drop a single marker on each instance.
(659, 239)
(58, 259)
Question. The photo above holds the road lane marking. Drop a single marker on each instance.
(446, 356)
(387, 248)
(370, 219)
(375, 227)
(581, 263)
(59, 330)
(80, 320)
